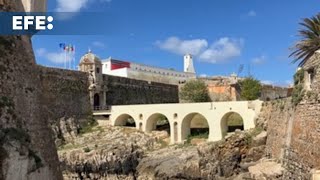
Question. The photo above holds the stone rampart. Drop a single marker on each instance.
(293, 136)
(124, 91)
(65, 100)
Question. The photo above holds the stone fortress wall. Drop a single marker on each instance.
(271, 92)
(65, 100)
(293, 136)
(293, 131)
(124, 91)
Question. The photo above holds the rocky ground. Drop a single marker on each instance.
(125, 153)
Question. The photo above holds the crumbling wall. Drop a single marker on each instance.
(274, 117)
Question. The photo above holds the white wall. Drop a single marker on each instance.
(177, 113)
(148, 73)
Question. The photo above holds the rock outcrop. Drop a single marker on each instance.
(125, 153)
(110, 153)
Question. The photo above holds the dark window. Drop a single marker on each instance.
(98, 70)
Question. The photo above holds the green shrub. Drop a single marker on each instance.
(194, 91)
(297, 94)
(250, 89)
(298, 77)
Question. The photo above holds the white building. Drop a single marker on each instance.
(132, 70)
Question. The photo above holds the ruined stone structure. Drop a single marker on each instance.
(223, 88)
(106, 90)
(181, 115)
(226, 88)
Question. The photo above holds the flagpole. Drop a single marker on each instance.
(65, 59)
(74, 57)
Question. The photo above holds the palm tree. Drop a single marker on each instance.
(310, 41)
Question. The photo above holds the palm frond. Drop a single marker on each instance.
(310, 40)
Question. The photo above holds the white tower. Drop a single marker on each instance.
(188, 64)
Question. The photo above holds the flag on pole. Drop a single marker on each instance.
(62, 46)
(69, 51)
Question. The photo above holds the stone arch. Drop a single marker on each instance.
(230, 122)
(151, 123)
(96, 100)
(188, 125)
(123, 120)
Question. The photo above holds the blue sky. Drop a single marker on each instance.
(221, 35)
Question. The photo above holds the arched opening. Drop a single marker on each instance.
(195, 128)
(230, 122)
(160, 126)
(125, 120)
(96, 101)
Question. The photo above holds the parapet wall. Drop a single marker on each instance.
(65, 100)
(293, 136)
(124, 91)
(65, 93)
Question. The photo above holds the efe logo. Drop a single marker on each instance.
(36, 22)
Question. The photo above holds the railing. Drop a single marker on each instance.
(98, 108)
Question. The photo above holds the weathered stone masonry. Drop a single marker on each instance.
(122, 91)
(26, 140)
(293, 131)
(65, 99)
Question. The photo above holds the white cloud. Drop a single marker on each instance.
(259, 60)
(203, 75)
(181, 47)
(99, 44)
(75, 5)
(268, 82)
(71, 5)
(252, 13)
(221, 50)
(55, 57)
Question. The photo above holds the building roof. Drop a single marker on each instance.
(90, 58)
